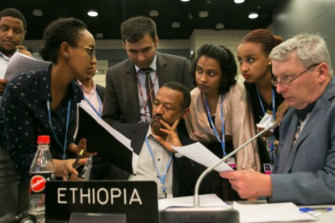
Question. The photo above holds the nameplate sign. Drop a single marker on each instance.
(136, 199)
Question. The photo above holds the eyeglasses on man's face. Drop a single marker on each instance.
(89, 50)
(286, 80)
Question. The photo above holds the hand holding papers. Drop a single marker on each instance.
(105, 140)
(200, 154)
(20, 63)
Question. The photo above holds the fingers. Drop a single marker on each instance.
(228, 174)
(23, 50)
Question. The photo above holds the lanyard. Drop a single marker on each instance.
(272, 138)
(161, 178)
(66, 127)
(145, 101)
(90, 104)
(222, 141)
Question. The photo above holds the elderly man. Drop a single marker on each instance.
(304, 169)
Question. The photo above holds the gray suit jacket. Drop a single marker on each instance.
(121, 96)
(305, 173)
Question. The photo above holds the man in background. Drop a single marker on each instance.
(131, 85)
(12, 32)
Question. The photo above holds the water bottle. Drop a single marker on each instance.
(42, 169)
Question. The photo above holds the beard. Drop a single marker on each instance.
(6, 52)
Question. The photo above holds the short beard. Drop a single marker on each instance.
(156, 126)
(8, 53)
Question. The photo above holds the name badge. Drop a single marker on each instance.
(267, 168)
(231, 162)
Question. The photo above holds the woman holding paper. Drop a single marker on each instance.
(44, 102)
(255, 66)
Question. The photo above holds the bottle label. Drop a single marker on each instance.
(38, 180)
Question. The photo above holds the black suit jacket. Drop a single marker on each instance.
(185, 172)
(121, 101)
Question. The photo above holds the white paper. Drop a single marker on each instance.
(200, 154)
(266, 121)
(206, 200)
(274, 212)
(20, 63)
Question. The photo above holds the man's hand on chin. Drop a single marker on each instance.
(171, 138)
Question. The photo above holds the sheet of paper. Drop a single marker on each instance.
(274, 212)
(200, 154)
(206, 200)
(20, 63)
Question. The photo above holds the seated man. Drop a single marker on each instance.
(304, 168)
(152, 142)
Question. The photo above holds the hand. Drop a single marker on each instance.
(82, 145)
(281, 110)
(3, 83)
(249, 184)
(23, 50)
(64, 168)
(172, 138)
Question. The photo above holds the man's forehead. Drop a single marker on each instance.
(12, 20)
(169, 95)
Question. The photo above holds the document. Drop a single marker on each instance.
(206, 200)
(20, 63)
(274, 212)
(103, 139)
(200, 154)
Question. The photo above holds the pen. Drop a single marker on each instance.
(77, 159)
(307, 209)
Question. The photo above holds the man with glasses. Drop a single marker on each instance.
(304, 168)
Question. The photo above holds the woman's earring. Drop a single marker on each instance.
(67, 55)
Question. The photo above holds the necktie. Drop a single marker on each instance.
(301, 114)
(149, 89)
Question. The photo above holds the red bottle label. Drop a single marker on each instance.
(37, 181)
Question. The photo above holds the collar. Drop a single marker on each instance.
(4, 57)
(85, 90)
(153, 65)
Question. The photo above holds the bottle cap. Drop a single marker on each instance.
(43, 139)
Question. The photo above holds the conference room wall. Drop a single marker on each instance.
(307, 16)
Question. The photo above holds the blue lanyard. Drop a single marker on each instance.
(66, 127)
(272, 139)
(222, 141)
(90, 104)
(161, 178)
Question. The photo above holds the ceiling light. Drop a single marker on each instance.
(92, 13)
(238, 1)
(253, 15)
(175, 25)
(185, 0)
(203, 14)
(37, 12)
(99, 35)
(219, 26)
(153, 13)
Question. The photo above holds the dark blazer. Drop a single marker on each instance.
(305, 172)
(185, 171)
(121, 101)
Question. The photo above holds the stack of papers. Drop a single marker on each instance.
(276, 212)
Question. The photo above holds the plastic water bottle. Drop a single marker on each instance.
(42, 169)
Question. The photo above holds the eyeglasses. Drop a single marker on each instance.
(89, 50)
(286, 80)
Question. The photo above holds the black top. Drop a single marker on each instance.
(258, 115)
(24, 116)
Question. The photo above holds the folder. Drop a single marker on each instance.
(103, 139)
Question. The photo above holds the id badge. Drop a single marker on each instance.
(231, 162)
(267, 168)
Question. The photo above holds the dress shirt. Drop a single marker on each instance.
(93, 97)
(146, 169)
(4, 60)
(25, 115)
(141, 89)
